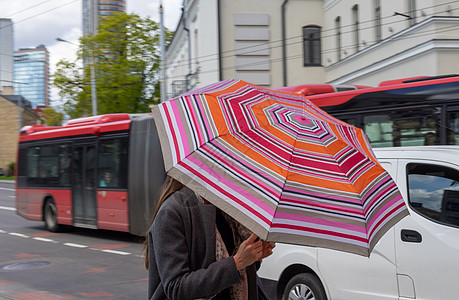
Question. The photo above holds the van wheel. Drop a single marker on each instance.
(304, 286)
(50, 216)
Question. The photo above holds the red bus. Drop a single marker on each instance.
(96, 172)
(404, 112)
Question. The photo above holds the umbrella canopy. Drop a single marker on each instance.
(279, 165)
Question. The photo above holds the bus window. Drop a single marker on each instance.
(112, 163)
(43, 165)
(417, 131)
(385, 131)
(379, 130)
(33, 155)
(64, 165)
(453, 129)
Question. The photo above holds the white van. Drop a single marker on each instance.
(416, 259)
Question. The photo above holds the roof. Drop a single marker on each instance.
(16, 98)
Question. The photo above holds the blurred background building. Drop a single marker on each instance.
(285, 43)
(94, 9)
(31, 75)
(15, 112)
(6, 59)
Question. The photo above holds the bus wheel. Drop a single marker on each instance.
(304, 286)
(50, 216)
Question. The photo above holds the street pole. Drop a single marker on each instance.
(162, 80)
(93, 87)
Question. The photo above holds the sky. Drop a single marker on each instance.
(37, 22)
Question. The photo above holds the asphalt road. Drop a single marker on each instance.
(79, 264)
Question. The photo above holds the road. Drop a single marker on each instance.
(78, 264)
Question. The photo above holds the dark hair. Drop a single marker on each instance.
(169, 187)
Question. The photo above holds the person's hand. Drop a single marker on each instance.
(249, 252)
(267, 249)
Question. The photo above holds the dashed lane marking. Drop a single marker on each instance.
(44, 240)
(116, 252)
(8, 208)
(80, 246)
(75, 245)
(7, 189)
(18, 234)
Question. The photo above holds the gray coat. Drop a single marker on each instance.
(181, 245)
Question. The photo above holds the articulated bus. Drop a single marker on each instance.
(105, 171)
(407, 112)
(95, 172)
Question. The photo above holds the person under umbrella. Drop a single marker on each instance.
(195, 251)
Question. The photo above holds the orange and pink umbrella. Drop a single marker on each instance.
(279, 165)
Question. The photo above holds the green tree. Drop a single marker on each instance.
(51, 117)
(126, 61)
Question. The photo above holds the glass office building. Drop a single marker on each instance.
(93, 9)
(31, 75)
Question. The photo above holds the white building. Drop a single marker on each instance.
(291, 42)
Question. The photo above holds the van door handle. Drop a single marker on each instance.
(411, 236)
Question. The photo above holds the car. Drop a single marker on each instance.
(416, 259)
(2, 172)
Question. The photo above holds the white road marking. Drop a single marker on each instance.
(7, 189)
(12, 196)
(75, 245)
(8, 208)
(116, 252)
(66, 244)
(19, 234)
(44, 240)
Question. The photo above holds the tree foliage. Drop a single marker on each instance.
(126, 59)
(51, 117)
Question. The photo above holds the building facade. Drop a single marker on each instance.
(31, 75)
(15, 112)
(291, 42)
(94, 9)
(390, 39)
(6, 50)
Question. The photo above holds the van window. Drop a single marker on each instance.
(434, 192)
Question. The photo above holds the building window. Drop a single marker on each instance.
(338, 37)
(412, 11)
(312, 46)
(378, 27)
(355, 25)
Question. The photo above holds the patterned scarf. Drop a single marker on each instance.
(240, 290)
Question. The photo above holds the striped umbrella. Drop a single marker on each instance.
(279, 165)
